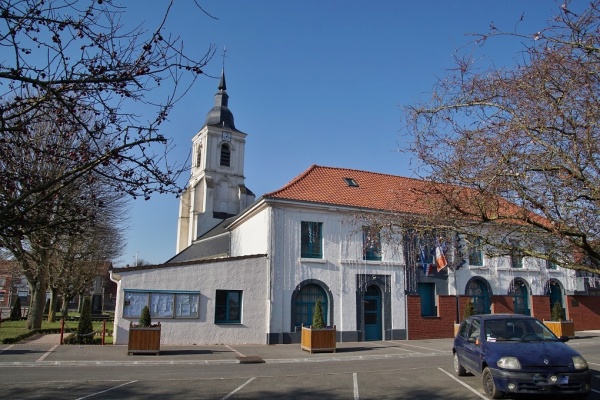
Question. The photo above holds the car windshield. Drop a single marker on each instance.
(520, 330)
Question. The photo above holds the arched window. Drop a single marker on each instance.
(304, 304)
(478, 290)
(520, 294)
(554, 290)
(225, 155)
(476, 253)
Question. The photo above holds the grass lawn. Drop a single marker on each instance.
(12, 329)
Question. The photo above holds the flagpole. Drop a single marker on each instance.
(457, 297)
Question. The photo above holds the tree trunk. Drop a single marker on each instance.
(36, 307)
(53, 303)
(65, 305)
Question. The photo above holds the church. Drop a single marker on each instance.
(250, 271)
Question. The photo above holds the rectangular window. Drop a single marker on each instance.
(476, 252)
(551, 265)
(228, 307)
(371, 244)
(427, 293)
(516, 256)
(311, 240)
(2, 293)
(162, 304)
(516, 259)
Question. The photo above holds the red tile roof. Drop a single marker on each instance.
(376, 191)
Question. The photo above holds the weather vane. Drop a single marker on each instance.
(224, 55)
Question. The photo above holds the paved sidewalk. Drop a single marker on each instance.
(45, 350)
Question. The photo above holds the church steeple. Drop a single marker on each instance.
(220, 115)
(216, 189)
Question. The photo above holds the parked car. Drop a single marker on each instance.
(517, 354)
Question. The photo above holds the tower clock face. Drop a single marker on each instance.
(226, 136)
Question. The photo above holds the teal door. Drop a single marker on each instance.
(372, 314)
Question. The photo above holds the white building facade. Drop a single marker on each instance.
(251, 272)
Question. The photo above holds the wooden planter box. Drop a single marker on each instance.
(561, 328)
(315, 340)
(144, 339)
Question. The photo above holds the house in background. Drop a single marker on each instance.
(251, 272)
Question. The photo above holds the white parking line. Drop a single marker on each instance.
(46, 354)
(104, 391)
(238, 388)
(235, 351)
(420, 347)
(355, 381)
(464, 384)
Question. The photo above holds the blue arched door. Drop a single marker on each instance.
(372, 313)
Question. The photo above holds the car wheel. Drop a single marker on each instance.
(489, 385)
(458, 368)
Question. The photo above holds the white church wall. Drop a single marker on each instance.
(251, 237)
(250, 275)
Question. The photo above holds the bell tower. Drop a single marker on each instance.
(216, 188)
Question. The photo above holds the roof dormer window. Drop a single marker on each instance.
(350, 182)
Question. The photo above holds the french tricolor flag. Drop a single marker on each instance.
(440, 258)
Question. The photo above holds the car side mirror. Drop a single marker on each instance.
(563, 339)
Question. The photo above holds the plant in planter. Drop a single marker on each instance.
(318, 337)
(144, 337)
(558, 325)
(318, 320)
(557, 313)
(467, 312)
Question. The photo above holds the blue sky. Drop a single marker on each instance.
(317, 82)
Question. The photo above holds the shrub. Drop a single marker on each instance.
(557, 312)
(318, 320)
(85, 328)
(15, 312)
(145, 319)
(469, 309)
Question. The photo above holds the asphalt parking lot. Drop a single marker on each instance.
(365, 370)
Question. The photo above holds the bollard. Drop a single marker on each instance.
(62, 329)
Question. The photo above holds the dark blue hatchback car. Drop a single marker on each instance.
(517, 354)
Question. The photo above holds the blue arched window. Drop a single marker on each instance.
(520, 294)
(304, 304)
(478, 290)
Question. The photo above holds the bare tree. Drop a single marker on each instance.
(514, 154)
(76, 66)
(81, 258)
